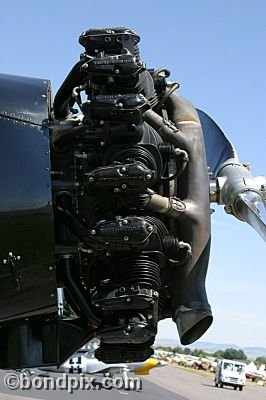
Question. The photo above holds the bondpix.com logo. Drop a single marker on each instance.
(14, 381)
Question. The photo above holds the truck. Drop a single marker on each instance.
(230, 373)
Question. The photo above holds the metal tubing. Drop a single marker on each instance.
(69, 276)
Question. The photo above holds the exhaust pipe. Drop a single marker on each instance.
(62, 100)
(190, 308)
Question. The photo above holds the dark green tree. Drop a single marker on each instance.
(219, 354)
(178, 350)
(198, 353)
(165, 348)
(260, 361)
(231, 354)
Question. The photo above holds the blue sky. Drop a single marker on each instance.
(216, 50)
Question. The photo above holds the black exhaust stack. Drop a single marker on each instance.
(190, 308)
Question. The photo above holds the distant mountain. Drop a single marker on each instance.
(251, 352)
(167, 342)
(212, 347)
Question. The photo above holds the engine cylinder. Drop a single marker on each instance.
(141, 270)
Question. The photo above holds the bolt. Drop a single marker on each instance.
(4, 261)
(93, 232)
(116, 71)
(51, 268)
(128, 300)
(110, 79)
(91, 179)
(124, 186)
(124, 222)
(18, 258)
(126, 238)
(155, 294)
(10, 254)
(123, 170)
(149, 228)
(102, 144)
(148, 177)
(228, 209)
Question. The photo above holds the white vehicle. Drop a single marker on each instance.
(230, 373)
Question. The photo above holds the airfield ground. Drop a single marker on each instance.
(167, 383)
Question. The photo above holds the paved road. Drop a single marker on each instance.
(166, 383)
(149, 391)
(193, 386)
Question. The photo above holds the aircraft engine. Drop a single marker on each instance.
(105, 208)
